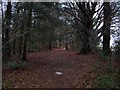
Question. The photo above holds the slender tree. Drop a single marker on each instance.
(7, 30)
(28, 25)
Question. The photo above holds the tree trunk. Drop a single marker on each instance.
(29, 24)
(8, 22)
(106, 28)
(3, 25)
(14, 44)
(21, 37)
(66, 46)
(20, 42)
(24, 48)
(15, 29)
(42, 40)
(50, 46)
(85, 41)
(29, 20)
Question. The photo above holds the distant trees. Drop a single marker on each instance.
(92, 20)
(82, 13)
(31, 26)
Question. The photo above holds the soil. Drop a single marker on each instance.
(42, 67)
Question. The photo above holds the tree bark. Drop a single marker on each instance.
(24, 48)
(3, 25)
(28, 25)
(20, 41)
(14, 44)
(66, 46)
(106, 28)
(85, 41)
(8, 22)
(50, 46)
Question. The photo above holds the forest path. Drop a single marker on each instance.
(43, 65)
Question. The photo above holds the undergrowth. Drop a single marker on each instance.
(14, 65)
(106, 81)
(106, 72)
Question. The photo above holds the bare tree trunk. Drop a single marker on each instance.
(24, 48)
(50, 40)
(21, 37)
(85, 41)
(106, 28)
(8, 22)
(14, 45)
(66, 46)
(20, 41)
(15, 30)
(50, 46)
(3, 25)
(27, 31)
(42, 40)
(29, 24)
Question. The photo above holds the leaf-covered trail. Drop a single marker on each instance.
(42, 66)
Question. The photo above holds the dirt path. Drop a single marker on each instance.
(43, 65)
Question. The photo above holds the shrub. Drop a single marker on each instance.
(103, 56)
(17, 65)
(106, 82)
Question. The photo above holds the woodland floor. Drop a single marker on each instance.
(40, 72)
